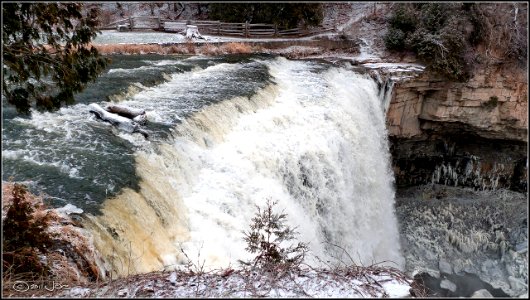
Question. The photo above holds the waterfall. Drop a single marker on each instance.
(314, 140)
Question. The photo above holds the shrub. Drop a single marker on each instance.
(395, 39)
(437, 33)
(39, 243)
(502, 29)
(403, 19)
(448, 37)
(434, 15)
(24, 236)
(267, 233)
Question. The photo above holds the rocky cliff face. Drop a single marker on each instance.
(463, 134)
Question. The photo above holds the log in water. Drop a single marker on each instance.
(125, 111)
(122, 123)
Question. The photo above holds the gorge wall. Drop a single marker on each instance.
(468, 230)
(470, 134)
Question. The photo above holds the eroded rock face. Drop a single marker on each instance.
(463, 134)
(493, 105)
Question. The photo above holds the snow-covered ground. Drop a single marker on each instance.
(137, 37)
(397, 67)
(352, 282)
(153, 37)
(397, 71)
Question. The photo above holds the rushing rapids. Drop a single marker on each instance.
(225, 135)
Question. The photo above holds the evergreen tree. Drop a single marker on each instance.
(47, 56)
(267, 233)
(24, 236)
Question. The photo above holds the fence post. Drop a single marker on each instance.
(246, 29)
(218, 27)
(275, 30)
(130, 23)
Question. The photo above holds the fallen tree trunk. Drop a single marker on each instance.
(136, 114)
(125, 111)
(122, 123)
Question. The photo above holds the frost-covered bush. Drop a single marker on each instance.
(452, 38)
(435, 32)
(404, 18)
(395, 39)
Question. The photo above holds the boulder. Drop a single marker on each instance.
(448, 285)
(445, 267)
(483, 293)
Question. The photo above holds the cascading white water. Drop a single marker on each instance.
(315, 142)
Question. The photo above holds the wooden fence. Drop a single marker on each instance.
(246, 30)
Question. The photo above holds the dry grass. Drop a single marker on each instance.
(184, 48)
(187, 48)
(128, 48)
(190, 47)
(176, 49)
(236, 48)
(210, 49)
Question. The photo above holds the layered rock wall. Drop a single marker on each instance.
(463, 134)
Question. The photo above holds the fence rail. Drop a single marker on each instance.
(248, 30)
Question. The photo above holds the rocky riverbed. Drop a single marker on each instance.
(460, 240)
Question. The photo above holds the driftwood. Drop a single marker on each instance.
(137, 115)
(121, 122)
(125, 111)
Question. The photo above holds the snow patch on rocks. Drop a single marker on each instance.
(347, 282)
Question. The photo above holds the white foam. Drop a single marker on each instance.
(159, 101)
(132, 70)
(38, 158)
(164, 62)
(319, 149)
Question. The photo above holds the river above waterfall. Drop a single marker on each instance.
(74, 158)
